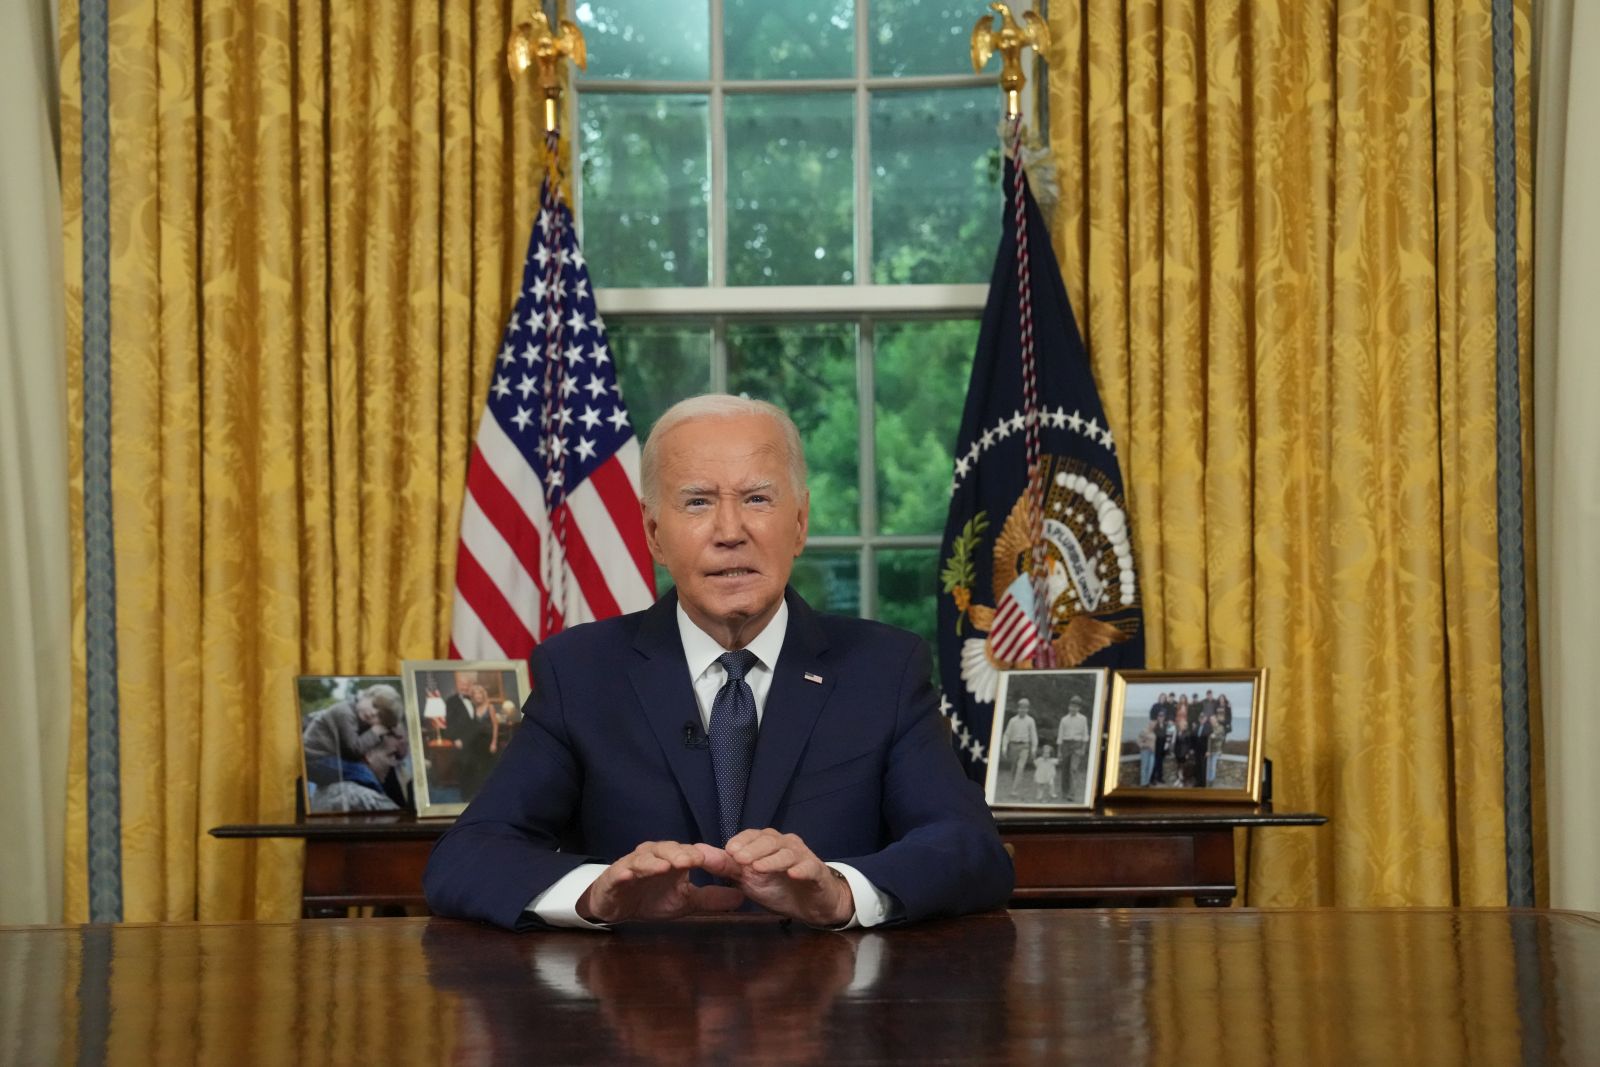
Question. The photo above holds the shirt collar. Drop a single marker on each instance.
(700, 649)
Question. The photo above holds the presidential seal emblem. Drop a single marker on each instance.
(1089, 583)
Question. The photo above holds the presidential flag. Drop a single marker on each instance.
(1037, 565)
(551, 533)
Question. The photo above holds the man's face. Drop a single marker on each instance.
(728, 524)
(1023, 706)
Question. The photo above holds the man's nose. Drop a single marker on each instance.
(727, 523)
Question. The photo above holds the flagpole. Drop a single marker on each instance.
(1000, 33)
(533, 43)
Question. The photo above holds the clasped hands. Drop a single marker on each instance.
(777, 871)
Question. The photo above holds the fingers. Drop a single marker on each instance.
(655, 858)
(769, 852)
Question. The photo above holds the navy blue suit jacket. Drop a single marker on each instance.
(611, 754)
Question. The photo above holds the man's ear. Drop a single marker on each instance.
(804, 523)
(650, 533)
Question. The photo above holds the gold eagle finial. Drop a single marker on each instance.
(532, 42)
(1008, 39)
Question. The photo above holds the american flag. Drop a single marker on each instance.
(551, 533)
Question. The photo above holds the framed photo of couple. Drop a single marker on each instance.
(1044, 744)
(1186, 735)
(462, 715)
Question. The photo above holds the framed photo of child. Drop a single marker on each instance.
(354, 748)
(1187, 735)
(1044, 746)
(463, 714)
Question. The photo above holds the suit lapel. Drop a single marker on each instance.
(666, 699)
(793, 703)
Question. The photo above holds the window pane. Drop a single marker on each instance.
(658, 365)
(793, 39)
(922, 37)
(646, 189)
(920, 375)
(647, 39)
(907, 585)
(791, 189)
(935, 186)
(829, 579)
(809, 371)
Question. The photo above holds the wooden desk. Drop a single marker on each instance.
(1232, 988)
(1129, 854)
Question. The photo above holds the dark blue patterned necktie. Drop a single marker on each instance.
(733, 739)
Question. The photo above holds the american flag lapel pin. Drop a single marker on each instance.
(817, 678)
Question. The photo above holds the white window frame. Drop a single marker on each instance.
(863, 302)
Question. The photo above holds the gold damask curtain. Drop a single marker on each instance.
(1280, 219)
(314, 212)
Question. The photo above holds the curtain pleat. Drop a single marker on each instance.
(1278, 226)
(317, 216)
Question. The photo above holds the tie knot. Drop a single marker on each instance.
(737, 664)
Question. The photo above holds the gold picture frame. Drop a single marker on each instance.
(456, 741)
(1180, 736)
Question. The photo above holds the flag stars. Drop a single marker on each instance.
(507, 354)
(546, 220)
(618, 419)
(541, 256)
(564, 417)
(1075, 422)
(590, 418)
(601, 354)
(585, 448)
(574, 353)
(530, 355)
(522, 418)
(596, 388)
(540, 290)
(1017, 421)
(568, 387)
(502, 386)
(527, 385)
(578, 322)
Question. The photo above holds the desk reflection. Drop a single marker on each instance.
(1200, 988)
(717, 991)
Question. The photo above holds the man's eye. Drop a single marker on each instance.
(759, 498)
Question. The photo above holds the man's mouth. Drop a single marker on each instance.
(732, 572)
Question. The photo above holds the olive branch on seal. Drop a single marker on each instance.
(959, 573)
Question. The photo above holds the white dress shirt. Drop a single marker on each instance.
(558, 905)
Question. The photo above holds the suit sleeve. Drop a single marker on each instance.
(505, 848)
(944, 855)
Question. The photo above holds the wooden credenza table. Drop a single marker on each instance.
(1232, 988)
(1142, 854)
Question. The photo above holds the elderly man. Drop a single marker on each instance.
(727, 745)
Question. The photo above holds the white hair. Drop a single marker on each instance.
(716, 406)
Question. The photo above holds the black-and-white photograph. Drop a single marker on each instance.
(353, 743)
(1186, 732)
(1044, 748)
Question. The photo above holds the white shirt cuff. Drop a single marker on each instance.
(558, 905)
(873, 906)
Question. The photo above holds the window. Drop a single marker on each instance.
(800, 201)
